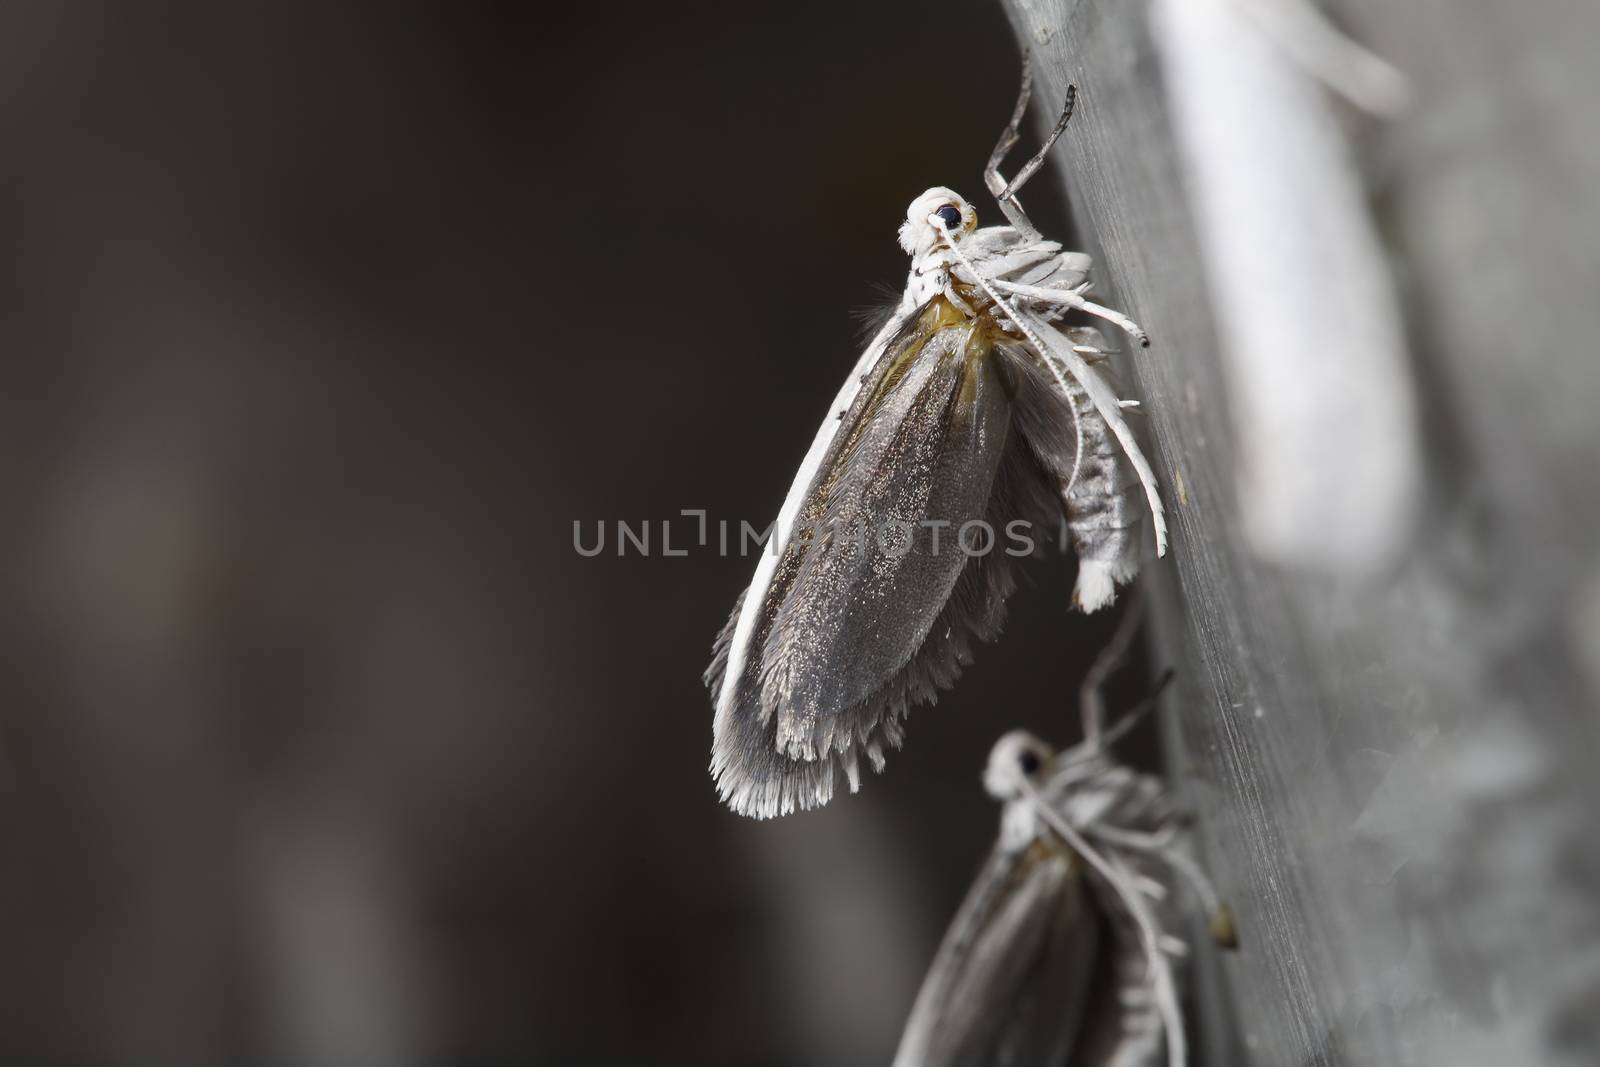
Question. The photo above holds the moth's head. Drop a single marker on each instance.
(1015, 757)
(918, 235)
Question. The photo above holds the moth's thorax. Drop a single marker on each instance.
(977, 314)
(1019, 825)
(938, 280)
(998, 253)
(926, 280)
(1083, 795)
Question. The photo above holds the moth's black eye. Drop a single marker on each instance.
(1028, 762)
(950, 217)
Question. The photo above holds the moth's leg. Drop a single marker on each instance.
(1174, 946)
(1092, 356)
(1091, 353)
(1164, 847)
(1074, 299)
(1134, 840)
(1087, 341)
(950, 294)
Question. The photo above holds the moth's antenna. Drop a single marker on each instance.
(1133, 715)
(992, 178)
(1032, 166)
(1012, 133)
(1004, 192)
(1091, 698)
(1027, 331)
(1165, 989)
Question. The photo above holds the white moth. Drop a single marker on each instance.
(973, 409)
(1060, 952)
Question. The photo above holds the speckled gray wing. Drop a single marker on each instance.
(875, 608)
(1012, 980)
(887, 516)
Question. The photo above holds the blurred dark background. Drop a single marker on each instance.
(319, 743)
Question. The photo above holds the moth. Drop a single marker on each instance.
(974, 408)
(1060, 952)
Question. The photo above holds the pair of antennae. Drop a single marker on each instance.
(1092, 706)
(1091, 694)
(1006, 191)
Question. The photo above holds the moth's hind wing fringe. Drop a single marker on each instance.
(718, 667)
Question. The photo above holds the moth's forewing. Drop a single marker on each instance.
(909, 478)
(1049, 1005)
(1012, 978)
(874, 608)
